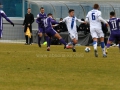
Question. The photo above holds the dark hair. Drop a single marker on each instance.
(112, 13)
(61, 18)
(28, 8)
(96, 6)
(41, 8)
(71, 10)
(49, 14)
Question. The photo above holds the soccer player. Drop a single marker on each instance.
(72, 27)
(95, 19)
(51, 32)
(3, 15)
(41, 29)
(114, 28)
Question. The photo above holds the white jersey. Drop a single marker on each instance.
(71, 23)
(94, 18)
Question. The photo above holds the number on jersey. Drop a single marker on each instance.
(93, 16)
(114, 24)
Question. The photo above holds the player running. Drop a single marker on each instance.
(114, 28)
(72, 27)
(51, 32)
(3, 15)
(95, 19)
(41, 29)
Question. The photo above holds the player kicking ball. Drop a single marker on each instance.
(3, 15)
(114, 28)
(72, 27)
(95, 19)
(51, 32)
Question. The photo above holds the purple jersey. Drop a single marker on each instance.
(40, 19)
(48, 26)
(48, 23)
(114, 24)
(3, 15)
(114, 28)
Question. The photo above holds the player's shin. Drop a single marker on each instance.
(63, 42)
(48, 39)
(39, 39)
(95, 45)
(103, 48)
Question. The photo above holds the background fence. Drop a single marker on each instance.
(17, 9)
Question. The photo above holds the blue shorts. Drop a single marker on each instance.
(114, 36)
(50, 32)
(41, 30)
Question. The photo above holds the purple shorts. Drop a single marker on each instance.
(41, 30)
(50, 32)
(114, 36)
(0, 33)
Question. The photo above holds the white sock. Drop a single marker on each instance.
(95, 45)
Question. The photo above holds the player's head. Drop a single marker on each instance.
(112, 14)
(50, 15)
(42, 10)
(29, 10)
(96, 6)
(71, 12)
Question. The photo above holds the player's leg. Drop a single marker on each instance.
(95, 38)
(40, 33)
(48, 39)
(60, 38)
(109, 42)
(101, 35)
(74, 37)
(0, 33)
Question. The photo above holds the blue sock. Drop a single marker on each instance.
(63, 42)
(102, 44)
(103, 47)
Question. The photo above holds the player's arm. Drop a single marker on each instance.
(53, 21)
(101, 19)
(37, 20)
(87, 18)
(4, 16)
(79, 20)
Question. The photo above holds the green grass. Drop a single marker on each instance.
(31, 68)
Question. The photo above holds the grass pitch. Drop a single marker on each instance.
(25, 67)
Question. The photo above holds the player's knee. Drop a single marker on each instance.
(75, 41)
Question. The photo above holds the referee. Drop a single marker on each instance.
(29, 19)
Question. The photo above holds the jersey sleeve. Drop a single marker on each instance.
(100, 17)
(99, 14)
(53, 21)
(87, 18)
(38, 16)
(5, 16)
(79, 20)
(37, 20)
(64, 20)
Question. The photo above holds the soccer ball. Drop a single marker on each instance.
(87, 49)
